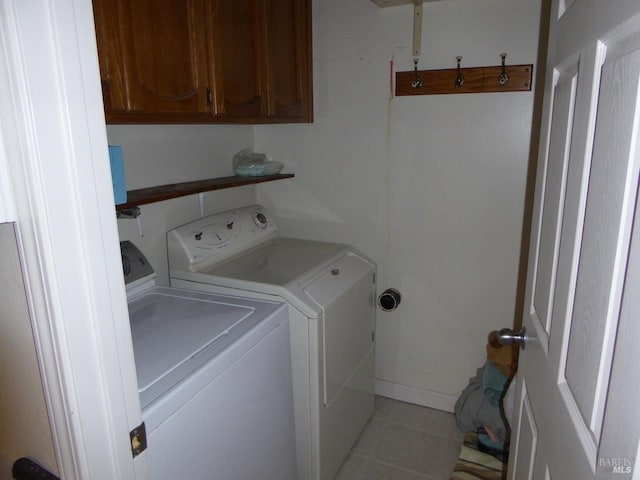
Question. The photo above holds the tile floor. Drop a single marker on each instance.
(403, 441)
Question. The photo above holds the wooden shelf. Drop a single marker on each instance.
(143, 196)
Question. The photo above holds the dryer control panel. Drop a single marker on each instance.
(212, 239)
(134, 264)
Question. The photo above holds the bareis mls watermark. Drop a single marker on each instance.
(621, 465)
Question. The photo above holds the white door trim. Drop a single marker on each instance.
(7, 209)
(56, 150)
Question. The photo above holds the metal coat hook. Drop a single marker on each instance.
(504, 78)
(417, 83)
(459, 77)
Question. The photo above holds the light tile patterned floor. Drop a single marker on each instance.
(403, 441)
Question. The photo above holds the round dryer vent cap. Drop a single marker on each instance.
(389, 299)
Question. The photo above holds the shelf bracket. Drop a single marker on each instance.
(131, 212)
(417, 29)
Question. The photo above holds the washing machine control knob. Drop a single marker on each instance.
(260, 220)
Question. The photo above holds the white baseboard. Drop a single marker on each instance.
(426, 398)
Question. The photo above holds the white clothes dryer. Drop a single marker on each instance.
(330, 289)
(214, 377)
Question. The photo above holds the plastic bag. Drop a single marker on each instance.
(247, 163)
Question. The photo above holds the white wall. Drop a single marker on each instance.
(431, 187)
(163, 154)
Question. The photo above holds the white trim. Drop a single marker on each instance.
(426, 398)
(7, 209)
(55, 137)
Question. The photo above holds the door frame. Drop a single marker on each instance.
(54, 136)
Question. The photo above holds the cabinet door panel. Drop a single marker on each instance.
(237, 54)
(152, 55)
(288, 37)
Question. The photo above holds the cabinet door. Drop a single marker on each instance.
(238, 58)
(288, 39)
(152, 58)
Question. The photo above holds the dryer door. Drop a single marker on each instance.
(346, 293)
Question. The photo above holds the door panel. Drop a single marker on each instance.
(236, 30)
(25, 424)
(288, 38)
(603, 255)
(152, 55)
(527, 438)
(345, 295)
(548, 244)
(620, 443)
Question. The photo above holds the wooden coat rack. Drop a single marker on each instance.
(475, 80)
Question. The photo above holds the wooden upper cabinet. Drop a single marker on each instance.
(288, 40)
(205, 61)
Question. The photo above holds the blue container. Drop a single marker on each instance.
(117, 174)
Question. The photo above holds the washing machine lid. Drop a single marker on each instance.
(175, 331)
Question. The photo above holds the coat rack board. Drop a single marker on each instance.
(476, 80)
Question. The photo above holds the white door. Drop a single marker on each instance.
(577, 412)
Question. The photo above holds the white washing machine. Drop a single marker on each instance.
(214, 377)
(330, 290)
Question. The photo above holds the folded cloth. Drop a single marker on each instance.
(473, 410)
(494, 383)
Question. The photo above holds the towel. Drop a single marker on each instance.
(494, 383)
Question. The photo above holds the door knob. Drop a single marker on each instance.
(507, 337)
